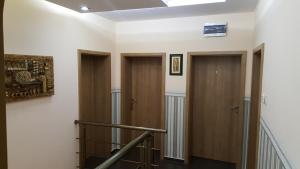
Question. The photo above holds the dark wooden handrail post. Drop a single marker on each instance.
(3, 137)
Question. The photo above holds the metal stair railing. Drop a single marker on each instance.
(146, 139)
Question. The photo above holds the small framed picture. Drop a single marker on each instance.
(176, 63)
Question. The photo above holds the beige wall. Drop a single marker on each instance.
(41, 132)
(182, 35)
(277, 25)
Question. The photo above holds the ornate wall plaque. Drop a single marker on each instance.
(28, 77)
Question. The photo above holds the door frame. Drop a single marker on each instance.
(124, 57)
(243, 55)
(254, 117)
(97, 54)
(81, 52)
(3, 136)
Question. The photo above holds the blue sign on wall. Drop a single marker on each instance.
(215, 30)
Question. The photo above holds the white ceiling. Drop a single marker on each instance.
(108, 5)
(127, 10)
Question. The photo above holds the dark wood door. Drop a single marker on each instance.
(146, 93)
(215, 112)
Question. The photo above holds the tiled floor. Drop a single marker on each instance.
(196, 163)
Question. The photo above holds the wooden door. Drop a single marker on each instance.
(142, 94)
(215, 108)
(95, 103)
(146, 93)
(254, 122)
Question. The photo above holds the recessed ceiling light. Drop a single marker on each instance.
(171, 3)
(84, 8)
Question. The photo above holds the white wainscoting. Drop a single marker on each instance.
(174, 147)
(174, 140)
(116, 118)
(174, 113)
(247, 106)
(271, 155)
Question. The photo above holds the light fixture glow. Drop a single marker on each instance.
(171, 3)
(84, 8)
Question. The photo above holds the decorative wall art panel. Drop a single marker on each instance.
(176, 64)
(28, 77)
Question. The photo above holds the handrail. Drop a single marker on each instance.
(120, 126)
(120, 154)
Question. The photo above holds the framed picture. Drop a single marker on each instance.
(28, 77)
(176, 63)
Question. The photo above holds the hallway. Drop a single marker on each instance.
(192, 79)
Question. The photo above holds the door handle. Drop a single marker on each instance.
(133, 101)
(235, 109)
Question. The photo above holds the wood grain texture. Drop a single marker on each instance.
(95, 100)
(146, 90)
(214, 121)
(3, 138)
(142, 93)
(254, 122)
(215, 84)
